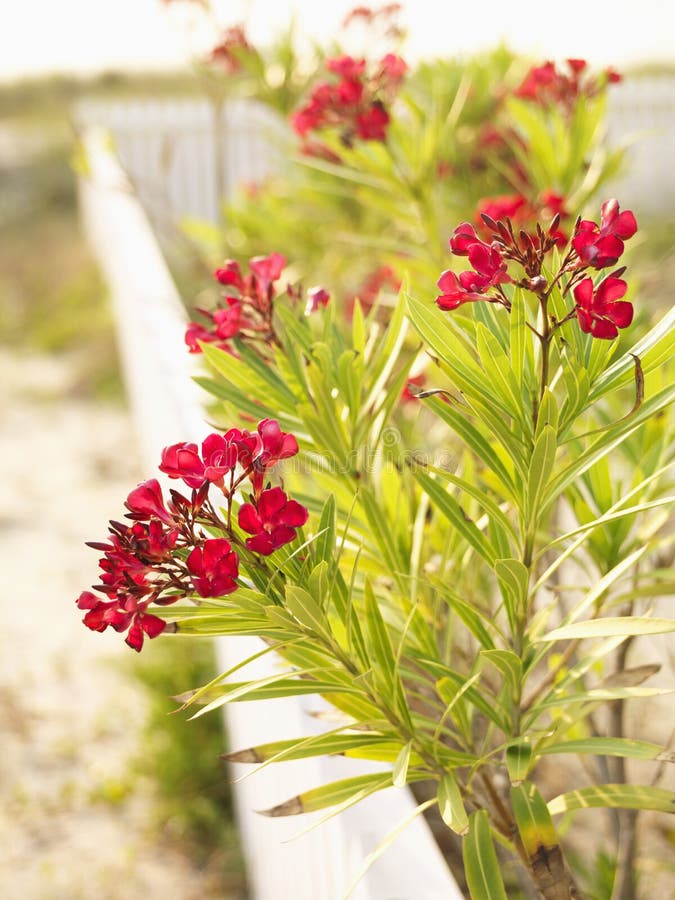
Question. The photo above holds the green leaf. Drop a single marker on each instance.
(518, 760)
(305, 609)
(625, 747)
(451, 805)
(513, 577)
(454, 513)
(305, 748)
(609, 627)
(480, 860)
(471, 435)
(508, 665)
(324, 545)
(347, 789)
(541, 468)
(538, 834)
(400, 772)
(614, 796)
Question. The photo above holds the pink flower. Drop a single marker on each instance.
(371, 125)
(146, 502)
(195, 332)
(601, 246)
(213, 567)
(220, 457)
(132, 616)
(272, 520)
(600, 311)
(346, 67)
(228, 320)
(316, 297)
(506, 206)
(183, 461)
(230, 274)
(462, 238)
(393, 68)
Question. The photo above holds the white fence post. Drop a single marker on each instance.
(166, 407)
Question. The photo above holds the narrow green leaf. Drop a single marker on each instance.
(355, 789)
(541, 468)
(538, 835)
(324, 545)
(518, 760)
(625, 747)
(513, 578)
(400, 772)
(480, 860)
(615, 796)
(454, 513)
(329, 744)
(609, 627)
(305, 609)
(451, 805)
(508, 665)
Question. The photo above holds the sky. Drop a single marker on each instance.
(85, 36)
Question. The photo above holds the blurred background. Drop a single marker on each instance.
(104, 793)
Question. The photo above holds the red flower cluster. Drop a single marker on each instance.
(382, 19)
(357, 103)
(599, 309)
(256, 453)
(228, 53)
(167, 552)
(489, 270)
(548, 86)
(247, 306)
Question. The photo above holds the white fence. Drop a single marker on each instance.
(641, 114)
(166, 406)
(184, 156)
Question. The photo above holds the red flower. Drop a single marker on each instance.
(213, 566)
(218, 456)
(371, 125)
(272, 521)
(131, 615)
(316, 297)
(601, 246)
(195, 332)
(228, 320)
(462, 238)
(230, 274)
(346, 67)
(228, 53)
(182, 461)
(417, 381)
(393, 68)
(146, 502)
(507, 206)
(600, 311)
(355, 105)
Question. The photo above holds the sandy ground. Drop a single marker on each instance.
(69, 717)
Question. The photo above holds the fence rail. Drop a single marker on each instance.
(318, 865)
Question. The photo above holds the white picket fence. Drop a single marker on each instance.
(184, 156)
(318, 865)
